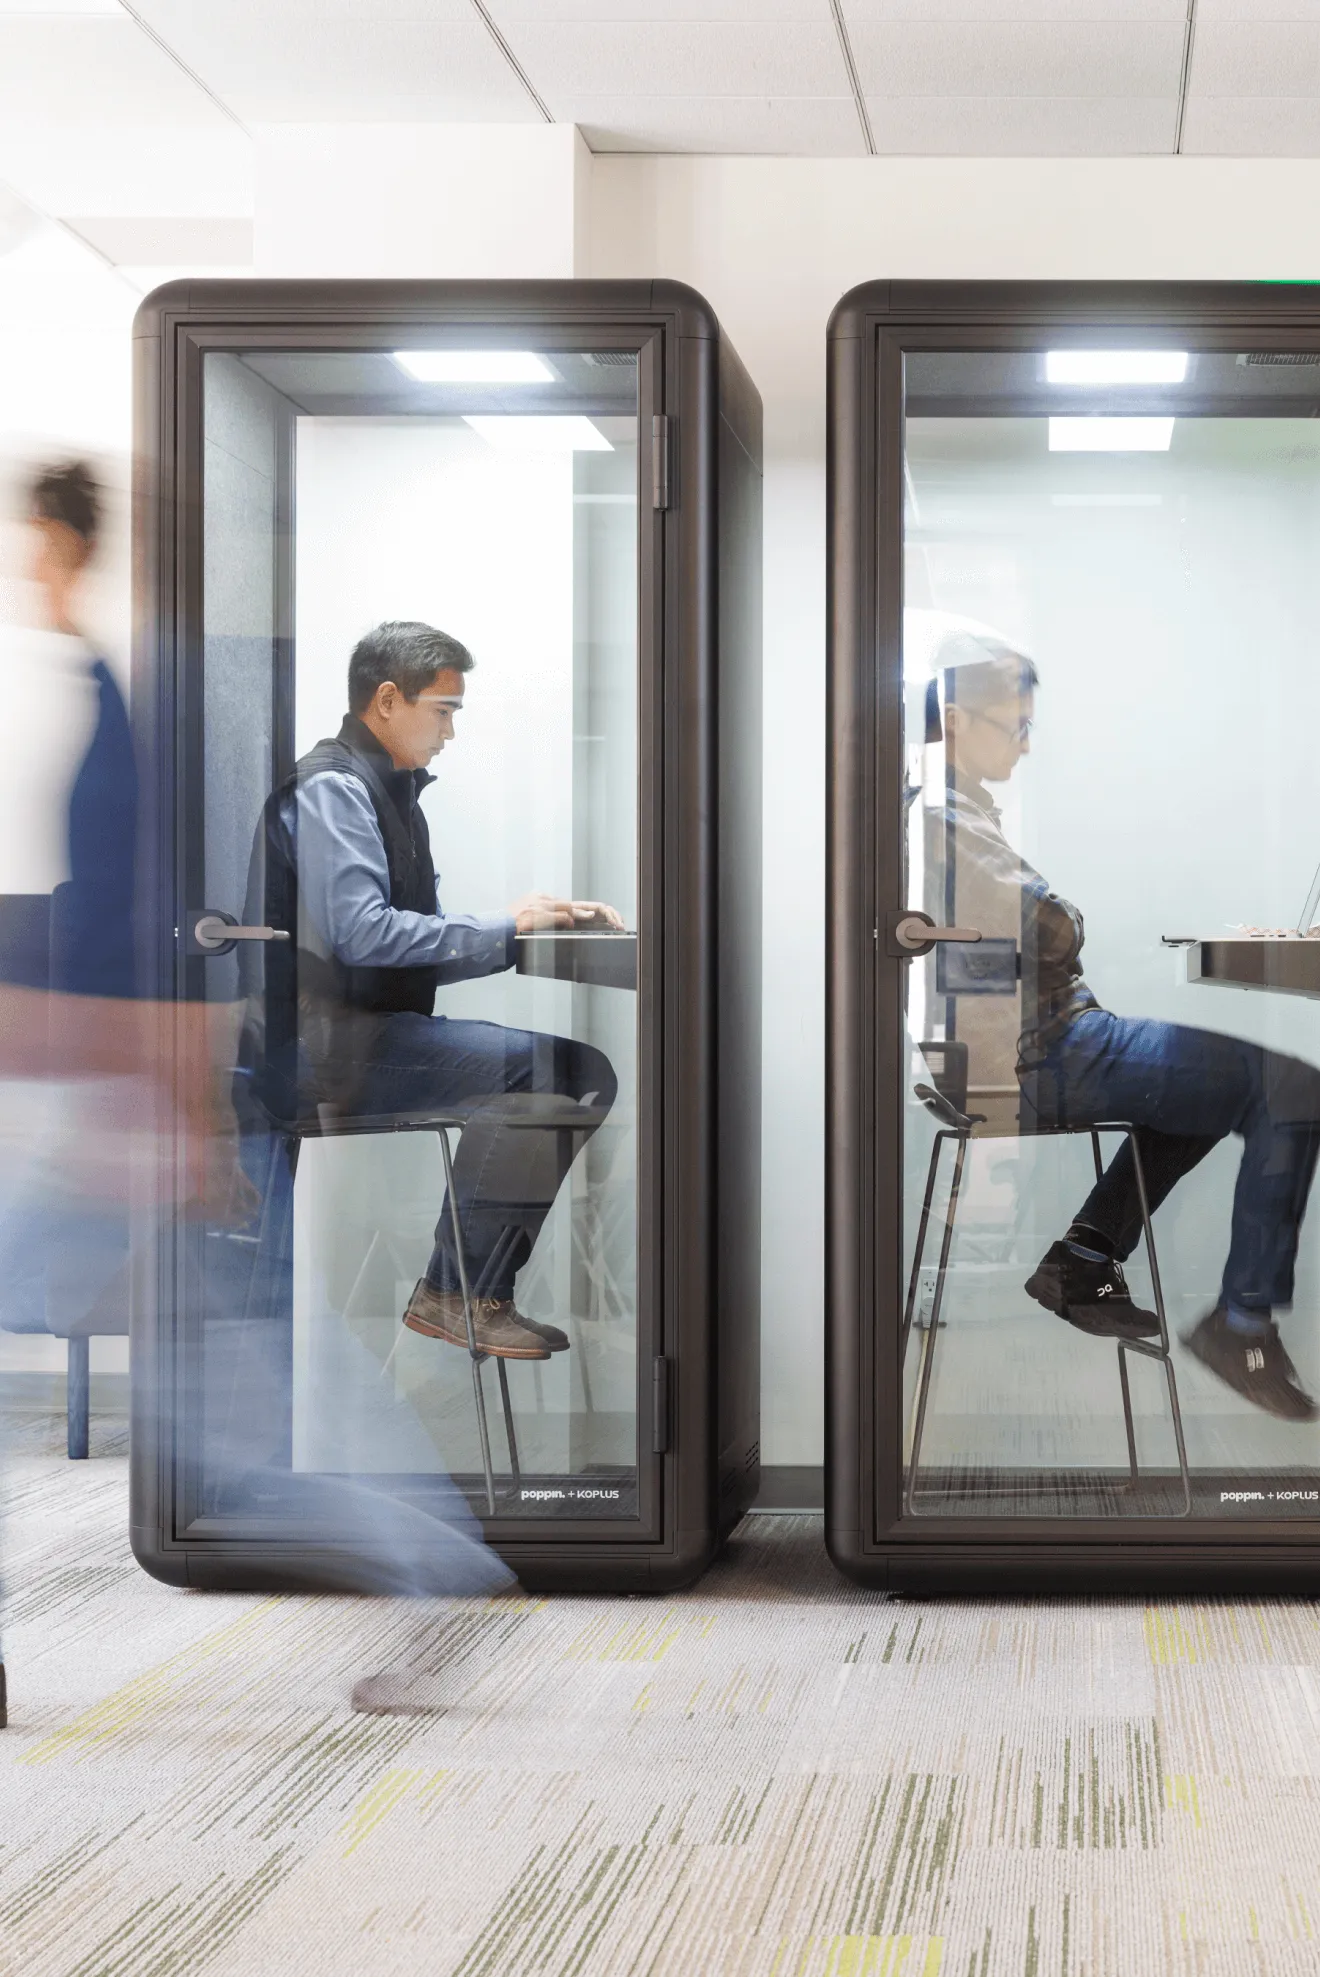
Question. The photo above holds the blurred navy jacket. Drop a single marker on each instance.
(91, 915)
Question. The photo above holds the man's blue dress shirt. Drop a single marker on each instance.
(344, 895)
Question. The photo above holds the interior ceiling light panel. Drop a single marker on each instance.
(551, 434)
(1115, 366)
(1096, 435)
(474, 366)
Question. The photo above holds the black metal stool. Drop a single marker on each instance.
(958, 1127)
(563, 1117)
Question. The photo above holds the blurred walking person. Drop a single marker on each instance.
(64, 1229)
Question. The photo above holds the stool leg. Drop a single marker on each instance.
(1127, 1416)
(1176, 1412)
(1148, 1237)
(1169, 1378)
(585, 1375)
(928, 1357)
(931, 1173)
(78, 1397)
(483, 1429)
(918, 1256)
(508, 1421)
(477, 1356)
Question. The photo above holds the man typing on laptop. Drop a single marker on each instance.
(343, 863)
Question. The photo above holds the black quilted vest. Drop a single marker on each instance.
(291, 971)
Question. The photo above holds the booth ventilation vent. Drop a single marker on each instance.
(611, 359)
(1281, 357)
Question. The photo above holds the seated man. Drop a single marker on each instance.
(1182, 1089)
(343, 863)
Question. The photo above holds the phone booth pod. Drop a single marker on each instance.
(1073, 1274)
(563, 479)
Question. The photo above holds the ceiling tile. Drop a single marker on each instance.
(858, 11)
(1252, 127)
(1256, 58)
(678, 58)
(60, 7)
(95, 69)
(66, 168)
(1022, 126)
(1256, 10)
(1114, 59)
(506, 12)
(801, 126)
(18, 220)
(279, 69)
(179, 20)
(146, 242)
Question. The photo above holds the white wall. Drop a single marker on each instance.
(773, 243)
(457, 200)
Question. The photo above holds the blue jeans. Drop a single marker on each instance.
(506, 1175)
(1184, 1090)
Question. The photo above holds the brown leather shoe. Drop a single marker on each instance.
(439, 1315)
(552, 1336)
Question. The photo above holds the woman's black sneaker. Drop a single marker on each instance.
(1093, 1296)
(1257, 1367)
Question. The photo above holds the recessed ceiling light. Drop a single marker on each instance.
(1110, 435)
(541, 435)
(1115, 366)
(474, 366)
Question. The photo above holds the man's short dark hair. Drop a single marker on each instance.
(978, 671)
(65, 491)
(406, 652)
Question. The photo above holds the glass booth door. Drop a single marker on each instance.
(1107, 956)
(439, 1269)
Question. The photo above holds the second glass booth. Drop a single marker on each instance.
(486, 996)
(1074, 1083)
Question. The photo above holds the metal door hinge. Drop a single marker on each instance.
(661, 449)
(659, 1406)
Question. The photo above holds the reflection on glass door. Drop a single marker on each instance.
(420, 816)
(1111, 1101)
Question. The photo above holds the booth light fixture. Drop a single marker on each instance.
(1087, 435)
(554, 433)
(1115, 366)
(474, 366)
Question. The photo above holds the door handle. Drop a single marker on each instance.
(216, 933)
(911, 933)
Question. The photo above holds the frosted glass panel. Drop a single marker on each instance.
(345, 494)
(1110, 703)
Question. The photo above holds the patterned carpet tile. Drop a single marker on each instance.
(771, 1775)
